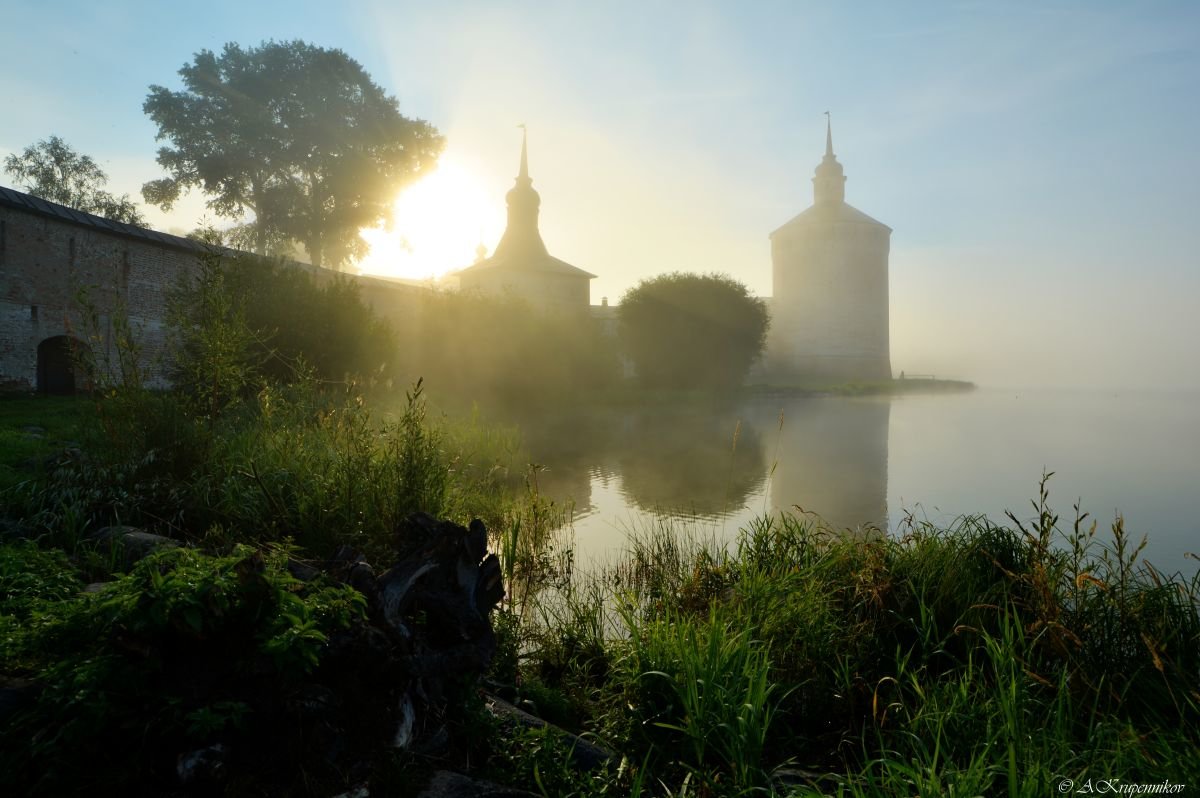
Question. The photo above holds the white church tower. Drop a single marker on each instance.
(829, 309)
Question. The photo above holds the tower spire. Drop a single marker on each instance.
(829, 183)
(523, 176)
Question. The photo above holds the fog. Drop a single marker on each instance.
(1037, 165)
(1038, 169)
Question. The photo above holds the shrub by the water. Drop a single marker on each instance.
(692, 331)
(500, 351)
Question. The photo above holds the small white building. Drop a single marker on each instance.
(829, 312)
(521, 265)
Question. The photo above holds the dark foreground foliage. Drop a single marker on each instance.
(979, 659)
(247, 673)
(184, 651)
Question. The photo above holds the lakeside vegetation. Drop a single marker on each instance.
(976, 659)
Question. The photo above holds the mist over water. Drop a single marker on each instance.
(881, 463)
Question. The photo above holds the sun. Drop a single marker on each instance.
(437, 223)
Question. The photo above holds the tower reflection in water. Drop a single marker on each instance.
(829, 457)
(726, 464)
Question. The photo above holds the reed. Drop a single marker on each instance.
(977, 659)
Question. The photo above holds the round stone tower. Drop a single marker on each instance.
(829, 309)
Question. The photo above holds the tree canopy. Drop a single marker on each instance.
(298, 135)
(52, 170)
(692, 331)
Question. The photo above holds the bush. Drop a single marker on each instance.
(250, 320)
(185, 650)
(692, 331)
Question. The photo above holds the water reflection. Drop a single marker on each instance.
(694, 462)
(828, 457)
(855, 461)
(700, 461)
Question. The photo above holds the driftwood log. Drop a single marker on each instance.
(433, 605)
(397, 681)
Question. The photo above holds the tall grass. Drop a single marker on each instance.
(318, 464)
(977, 659)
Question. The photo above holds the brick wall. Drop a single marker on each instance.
(59, 277)
(66, 273)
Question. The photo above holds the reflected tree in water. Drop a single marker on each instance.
(691, 462)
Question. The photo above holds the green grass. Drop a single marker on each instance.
(976, 659)
(971, 660)
(320, 465)
(34, 428)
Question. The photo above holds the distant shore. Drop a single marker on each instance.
(908, 385)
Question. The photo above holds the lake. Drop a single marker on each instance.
(863, 462)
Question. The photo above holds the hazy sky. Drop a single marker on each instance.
(1037, 161)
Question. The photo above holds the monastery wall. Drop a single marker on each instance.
(67, 278)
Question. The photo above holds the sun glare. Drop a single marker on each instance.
(437, 223)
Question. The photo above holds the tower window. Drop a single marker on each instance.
(33, 312)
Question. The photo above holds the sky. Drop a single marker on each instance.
(1037, 161)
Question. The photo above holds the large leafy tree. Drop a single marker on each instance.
(52, 170)
(297, 135)
(692, 331)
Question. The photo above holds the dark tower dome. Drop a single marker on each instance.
(521, 265)
(522, 234)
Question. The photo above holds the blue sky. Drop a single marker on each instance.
(1037, 161)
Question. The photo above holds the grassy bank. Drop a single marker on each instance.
(974, 660)
(317, 465)
(33, 429)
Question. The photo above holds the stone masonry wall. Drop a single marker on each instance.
(60, 278)
(64, 273)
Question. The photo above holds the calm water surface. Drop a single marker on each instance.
(876, 461)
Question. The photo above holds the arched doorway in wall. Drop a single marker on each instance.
(58, 369)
